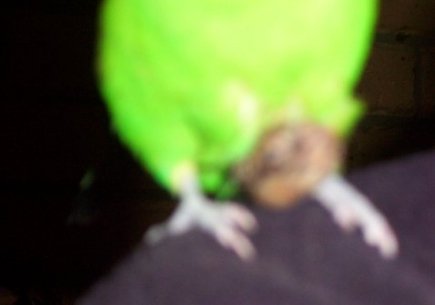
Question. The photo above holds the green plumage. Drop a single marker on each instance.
(199, 80)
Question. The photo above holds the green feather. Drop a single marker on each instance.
(199, 80)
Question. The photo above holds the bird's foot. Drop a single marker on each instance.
(229, 223)
(350, 209)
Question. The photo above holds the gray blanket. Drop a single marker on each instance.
(303, 257)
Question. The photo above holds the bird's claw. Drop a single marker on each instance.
(345, 219)
(351, 209)
(231, 233)
(381, 236)
(227, 222)
(376, 231)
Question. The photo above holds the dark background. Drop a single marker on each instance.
(54, 240)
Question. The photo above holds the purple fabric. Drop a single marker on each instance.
(303, 257)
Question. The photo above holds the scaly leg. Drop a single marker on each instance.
(227, 222)
(350, 208)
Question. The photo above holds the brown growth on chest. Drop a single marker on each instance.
(287, 163)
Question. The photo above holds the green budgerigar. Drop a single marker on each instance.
(215, 95)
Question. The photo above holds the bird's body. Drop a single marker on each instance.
(202, 80)
(192, 86)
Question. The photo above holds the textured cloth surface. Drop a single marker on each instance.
(303, 257)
